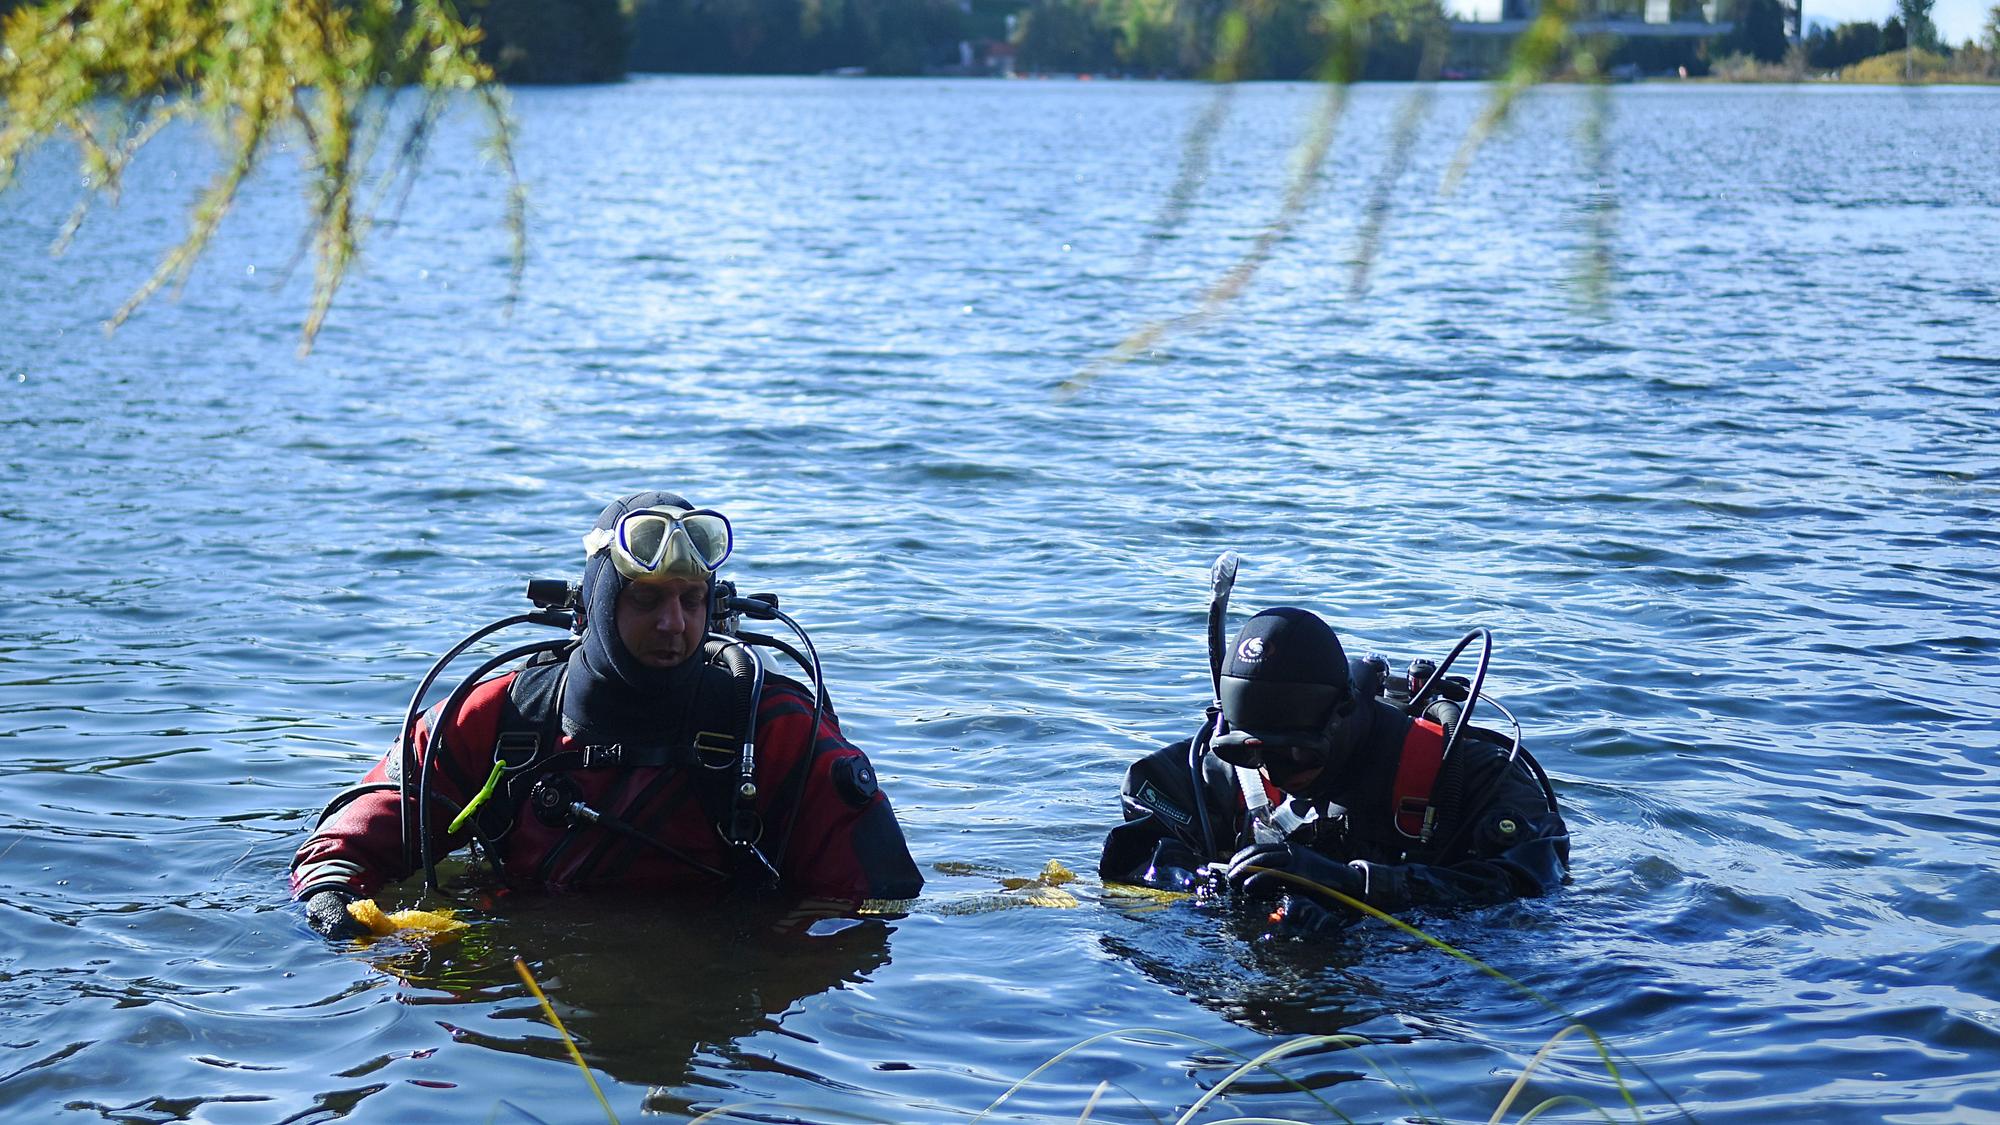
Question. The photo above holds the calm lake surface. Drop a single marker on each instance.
(1734, 531)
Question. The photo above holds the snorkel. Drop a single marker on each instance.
(1221, 580)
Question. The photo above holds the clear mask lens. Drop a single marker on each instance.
(708, 534)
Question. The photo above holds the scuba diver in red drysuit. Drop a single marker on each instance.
(1306, 770)
(654, 756)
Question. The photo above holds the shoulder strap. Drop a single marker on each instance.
(1410, 805)
(722, 733)
(529, 726)
(725, 719)
(532, 719)
(727, 729)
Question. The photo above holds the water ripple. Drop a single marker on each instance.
(1735, 539)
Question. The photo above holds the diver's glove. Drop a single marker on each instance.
(326, 913)
(1348, 878)
(1303, 914)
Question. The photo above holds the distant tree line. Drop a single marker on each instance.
(1760, 36)
(596, 40)
(811, 36)
(529, 41)
(1837, 48)
(1167, 38)
(1282, 39)
(592, 40)
(1759, 31)
(1843, 46)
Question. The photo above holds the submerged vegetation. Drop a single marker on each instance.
(1222, 1072)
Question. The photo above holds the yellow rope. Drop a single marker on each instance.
(528, 979)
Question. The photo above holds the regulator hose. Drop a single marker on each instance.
(405, 746)
(445, 716)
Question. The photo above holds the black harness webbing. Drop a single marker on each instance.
(713, 751)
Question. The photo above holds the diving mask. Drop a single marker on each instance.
(1283, 754)
(1281, 738)
(652, 544)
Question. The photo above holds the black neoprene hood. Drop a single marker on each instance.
(1283, 676)
(610, 695)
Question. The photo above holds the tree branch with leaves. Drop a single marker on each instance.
(109, 74)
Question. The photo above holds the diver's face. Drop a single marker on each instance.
(1293, 770)
(1296, 769)
(663, 623)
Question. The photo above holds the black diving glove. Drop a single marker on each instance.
(326, 913)
(1302, 914)
(1304, 863)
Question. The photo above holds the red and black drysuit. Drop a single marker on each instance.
(823, 820)
(1496, 831)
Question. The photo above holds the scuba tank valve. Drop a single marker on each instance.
(1420, 673)
(554, 593)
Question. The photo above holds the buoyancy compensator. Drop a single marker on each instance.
(522, 759)
(1427, 691)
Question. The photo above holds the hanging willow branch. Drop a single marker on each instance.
(1347, 20)
(108, 74)
(1537, 57)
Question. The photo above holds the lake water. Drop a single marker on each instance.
(1734, 530)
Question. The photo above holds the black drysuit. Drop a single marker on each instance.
(1496, 832)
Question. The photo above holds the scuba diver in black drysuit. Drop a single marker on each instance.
(1312, 772)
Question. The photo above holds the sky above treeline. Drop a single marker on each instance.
(1956, 20)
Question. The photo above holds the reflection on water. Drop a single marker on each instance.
(1734, 538)
(645, 993)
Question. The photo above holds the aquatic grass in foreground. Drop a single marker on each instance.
(1406, 1086)
(569, 1044)
(1421, 1106)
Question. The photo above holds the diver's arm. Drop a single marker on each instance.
(1527, 869)
(1507, 843)
(845, 843)
(1161, 842)
(357, 847)
(358, 844)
